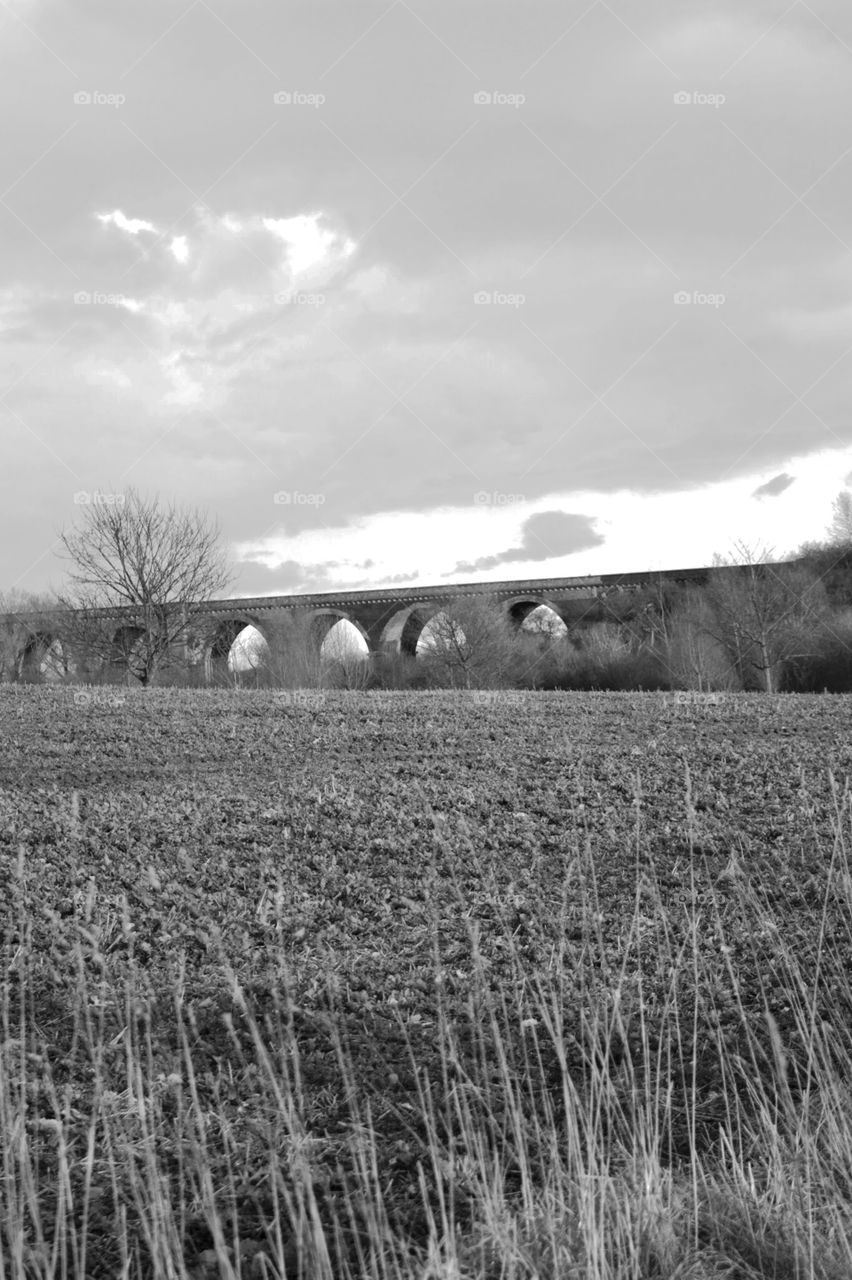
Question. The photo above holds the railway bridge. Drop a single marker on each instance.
(390, 620)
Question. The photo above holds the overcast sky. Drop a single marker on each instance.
(427, 290)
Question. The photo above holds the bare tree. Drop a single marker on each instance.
(839, 532)
(157, 564)
(763, 613)
(832, 564)
(470, 644)
(545, 625)
(692, 655)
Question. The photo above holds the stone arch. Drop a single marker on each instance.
(41, 657)
(323, 624)
(220, 642)
(520, 608)
(403, 630)
(442, 632)
(323, 621)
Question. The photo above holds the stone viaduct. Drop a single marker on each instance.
(390, 620)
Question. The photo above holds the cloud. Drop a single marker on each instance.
(774, 486)
(294, 577)
(287, 578)
(263, 580)
(100, 375)
(131, 225)
(818, 324)
(298, 280)
(186, 390)
(397, 579)
(307, 243)
(547, 535)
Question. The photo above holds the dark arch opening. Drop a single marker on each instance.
(440, 633)
(127, 653)
(347, 632)
(238, 653)
(537, 617)
(403, 631)
(43, 659)
(344, 641)
(249, 654)
(544, 622)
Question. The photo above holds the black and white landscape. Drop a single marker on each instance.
(425, 640)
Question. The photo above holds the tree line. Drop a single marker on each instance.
(754, 624)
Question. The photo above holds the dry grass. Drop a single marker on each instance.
(544, 1154)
